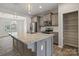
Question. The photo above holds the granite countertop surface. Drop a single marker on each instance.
(31, 38)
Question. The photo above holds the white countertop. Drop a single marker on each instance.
(3, 35)
(31, 38)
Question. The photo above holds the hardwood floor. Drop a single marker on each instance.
(66, 51)
(11, 53)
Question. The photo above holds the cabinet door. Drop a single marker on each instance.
(15, 44)
(41, 21)
(54, 19)
(44, 47)
(49, 45)
(47, 17)
(20, 47)
(34, 19)
(26, 52)
(41, 48)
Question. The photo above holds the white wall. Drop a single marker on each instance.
(64, 8)
(6, 18)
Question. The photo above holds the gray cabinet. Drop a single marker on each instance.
(41, 48)
(21, 48)
(44, 47)
(55, 40)
(15, 44)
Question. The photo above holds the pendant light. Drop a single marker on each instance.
(29, 8)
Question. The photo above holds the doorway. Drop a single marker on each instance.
(70, 32)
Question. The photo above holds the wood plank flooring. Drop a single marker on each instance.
(66, 51)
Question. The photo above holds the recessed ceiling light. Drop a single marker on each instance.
(40, 7)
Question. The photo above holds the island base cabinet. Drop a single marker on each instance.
(21, 48)
(15, 45)
(44, 47)
(27, 52)
(49, 47)
(41, 47)
(18, 46)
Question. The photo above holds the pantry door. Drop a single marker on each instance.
(70, 29)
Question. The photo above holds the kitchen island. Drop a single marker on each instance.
(37, 44)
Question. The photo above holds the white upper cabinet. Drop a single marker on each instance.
(55, 19)
(45, 18)
(41, 21)
(34, 19)
(51, 18)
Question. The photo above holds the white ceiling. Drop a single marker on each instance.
(21, 8)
